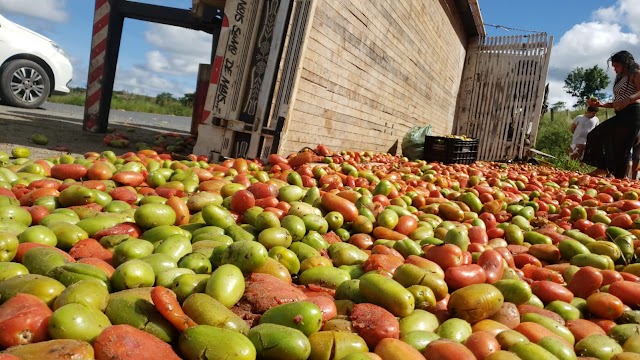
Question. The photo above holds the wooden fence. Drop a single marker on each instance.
(501, 95)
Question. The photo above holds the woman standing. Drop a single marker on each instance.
(609, 145)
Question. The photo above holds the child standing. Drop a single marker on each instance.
(581, 126)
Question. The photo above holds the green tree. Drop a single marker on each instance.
(187, 99)
(164, 98)
(559, 105)
(583, 83)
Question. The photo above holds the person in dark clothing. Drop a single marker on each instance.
(609, 145)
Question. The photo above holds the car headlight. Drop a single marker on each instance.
(58, 49)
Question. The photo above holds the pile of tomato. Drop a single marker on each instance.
(317, 255)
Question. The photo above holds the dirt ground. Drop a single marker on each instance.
(65, 133)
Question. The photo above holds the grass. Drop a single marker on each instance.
(161, 104)
(554, 137)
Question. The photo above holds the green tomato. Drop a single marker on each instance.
(77, 321)
(8, 246)
(38, 234)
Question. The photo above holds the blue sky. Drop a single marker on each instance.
(157, 58)
(153, 58)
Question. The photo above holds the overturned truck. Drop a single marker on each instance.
(287, 74)
(357, 75)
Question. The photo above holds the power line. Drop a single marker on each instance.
(511, 28)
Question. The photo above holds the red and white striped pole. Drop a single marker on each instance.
(96, 65)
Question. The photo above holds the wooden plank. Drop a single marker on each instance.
(522, 68)
(502, 110)
(485, 101)
(504, 114)
(531, 95)
(545, 67)
(526, 95)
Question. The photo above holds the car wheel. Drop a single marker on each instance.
(24, 83)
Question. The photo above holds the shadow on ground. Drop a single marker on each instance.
(65, 133)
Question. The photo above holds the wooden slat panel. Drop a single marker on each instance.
(508, 76)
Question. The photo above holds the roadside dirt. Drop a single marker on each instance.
(64, 132)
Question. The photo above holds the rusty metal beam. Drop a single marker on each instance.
(169, 16)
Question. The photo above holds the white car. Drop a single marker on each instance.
(32, 66)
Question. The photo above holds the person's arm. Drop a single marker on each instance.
(636, 81)
(573, 127)
(621, 104)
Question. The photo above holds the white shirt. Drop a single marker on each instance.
(583, 126)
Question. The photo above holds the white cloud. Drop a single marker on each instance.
(556, 87)
(178, 50)
(141, 81)
(175, 64)
(54, 10)
(172, 64)
(631, 13)
(591, 43)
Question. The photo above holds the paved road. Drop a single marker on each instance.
(62, 124)
(169, 122)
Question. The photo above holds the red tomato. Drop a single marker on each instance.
(266, 202)
(278, 212)
(242, 179)
(604, 198)
(36, 184)
(406, 224)
(242, 200)
(535, 332)
(610, 276)
(485, 197)
(333, 202)
(605, 324)
(520, 260)
(582, 225)
(446, 255)
(585, 282)
(489, 220)
(596, 230)
(181, 210)
(495, 233)
(448, 350)
(68, 171)
(581, 328)
(38, 212)
(507, 256)
(493, 265)
(477, 235)
(23, 319)
(605, 306)
(623, 220)
(628, 292)
(536, 273)
(327, 306)
(124, 194)
(460, 276)
(476, 248)
(383, 200)
(362, 241)
(262, 190)
(482, 344)
(549, 291)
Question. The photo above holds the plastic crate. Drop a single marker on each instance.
(450, 150)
